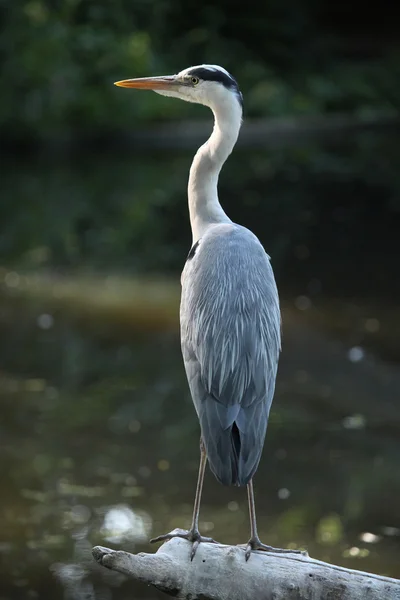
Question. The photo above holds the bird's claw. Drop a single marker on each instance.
(255, 544)
(192, 535)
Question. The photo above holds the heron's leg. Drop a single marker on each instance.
(199, 487)
(254, 542)
(193, 535)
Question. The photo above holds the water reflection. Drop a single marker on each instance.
(99, 439)
(109, 455)
(81, 578)
(122, 524)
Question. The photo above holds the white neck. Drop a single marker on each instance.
(204, 206)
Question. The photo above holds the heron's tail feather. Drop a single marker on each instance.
(234, 438)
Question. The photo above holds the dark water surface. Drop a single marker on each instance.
(98, 437)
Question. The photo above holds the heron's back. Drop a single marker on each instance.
(230, 335)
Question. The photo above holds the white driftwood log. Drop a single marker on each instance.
(221, 573)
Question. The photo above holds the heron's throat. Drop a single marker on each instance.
(204, 206)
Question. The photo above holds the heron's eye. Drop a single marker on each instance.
(194, 80)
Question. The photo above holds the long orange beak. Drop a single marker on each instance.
(150, 83)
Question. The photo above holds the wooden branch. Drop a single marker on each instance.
(221, 573)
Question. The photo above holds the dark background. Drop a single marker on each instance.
(98, 438)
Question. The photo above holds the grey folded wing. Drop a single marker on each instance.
(230, 335)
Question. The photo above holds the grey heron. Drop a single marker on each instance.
(229, 314)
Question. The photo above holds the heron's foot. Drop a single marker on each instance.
(192, 535)
(255, 544)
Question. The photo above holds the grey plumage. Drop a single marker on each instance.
(230, 318)
(230, 336)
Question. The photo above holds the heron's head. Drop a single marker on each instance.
(210, 85)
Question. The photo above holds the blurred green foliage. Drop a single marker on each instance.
(60, 58)
(127, 211)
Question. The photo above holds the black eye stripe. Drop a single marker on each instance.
(216, 75)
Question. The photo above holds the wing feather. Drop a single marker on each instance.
(230, 335)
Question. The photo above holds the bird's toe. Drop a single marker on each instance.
(256, 544)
